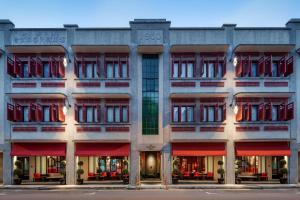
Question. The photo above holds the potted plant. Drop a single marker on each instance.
(125, 176)
(18, 172)
(175, 176)
(79, 172)
(221, 171)
(283, 171)
(63, 172)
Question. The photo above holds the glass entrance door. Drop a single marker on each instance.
(150, 164)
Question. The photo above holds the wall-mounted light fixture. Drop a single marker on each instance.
(65, 62)
(67, 105)
(234, 105)
(235, 61)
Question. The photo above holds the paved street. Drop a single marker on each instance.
(280, 194)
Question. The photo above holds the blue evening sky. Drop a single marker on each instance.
(117, 13)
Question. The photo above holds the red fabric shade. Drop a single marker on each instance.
(199, 149)
(102, 149)
(38, 149)
(262, 149)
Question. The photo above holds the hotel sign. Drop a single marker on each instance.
(39, 37)
(150, 37)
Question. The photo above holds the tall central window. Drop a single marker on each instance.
(150, 94)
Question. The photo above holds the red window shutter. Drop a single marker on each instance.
(105, 69)
(32, 67)
(61, 69)
(18, 67)
(216, 113)
(76, 113)
(282, 112)
(224, 67)
(61, 115)
(282, 65)
(247, 64)
(248, 112)
(83, 68)
(10, 67)
(289, 66)
(39, 113)
(39, 67)
(98, 67)
(52, 113)
(201, 113)
(18, 113)
(32, 112)
(268, 112)
(52, 65)
(201, 66)
(127, 113)
(268, 66)
(127, 64)
(261, 112)
(84, 113)
(290, 111)
(216, 68)
(239, 115)
(261, 66)
(224, 112)
(98, 113)
(75, 67)
(239, 67)
(10, 112)
(172, 66)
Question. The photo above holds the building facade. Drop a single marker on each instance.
(155, 100)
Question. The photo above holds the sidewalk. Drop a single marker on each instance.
(144, 186)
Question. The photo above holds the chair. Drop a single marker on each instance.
(197, 175)
(114, 175)
(264, 176)
(186, 175)
(103, 175)
(37, 177)
(210, 176)
(91, 176)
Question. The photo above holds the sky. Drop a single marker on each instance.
(118, 13)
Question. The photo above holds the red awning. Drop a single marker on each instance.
(262, 149)
(102, 149)
(38, 149)
(199, 149)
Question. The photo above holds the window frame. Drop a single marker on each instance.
(119, 60)
(179, 113)
(119, 108)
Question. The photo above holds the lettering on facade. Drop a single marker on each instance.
(150, 147)
(150, 37)
(38, 37)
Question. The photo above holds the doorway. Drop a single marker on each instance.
(150, 166)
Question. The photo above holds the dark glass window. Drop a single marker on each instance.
(150, 94)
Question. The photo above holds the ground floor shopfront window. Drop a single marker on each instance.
(103, 168)
(40, 169)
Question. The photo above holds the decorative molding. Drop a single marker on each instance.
(183, 129)
(89, 129)
(53, 84)
(276, 128)
(212, 84)
(247, 128)
(116, 129)
(247, 84)
(183, 84)
(276, 84)
(24, 129)
(211, 129)
(88, 84)
(53, 129)
(116, 84)
(24, 85)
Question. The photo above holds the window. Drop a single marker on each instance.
(46, 70)
(274, 69)
(116, 67)
(211, 113)
(183, 69)
(186, 114)
(254, 113)
(88, 114)
(25, 113)
(254, 67)
(220, 70)
(117, 114)
(275, 112)
(46, 113)
(220, 114)
(89, 70)
(25, 70)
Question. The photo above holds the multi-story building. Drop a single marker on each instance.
(153, 99)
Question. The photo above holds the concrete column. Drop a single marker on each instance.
(7, 164)
(230, 171)
(293, 163)
(167, 164)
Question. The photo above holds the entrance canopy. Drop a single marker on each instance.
(199, 149)
(102, 149)
(38, 149)
(262, 149)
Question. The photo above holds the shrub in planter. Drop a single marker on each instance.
(221, 171)
(18, 172)
(175, 176)
(284, 172)
(79, 172)
(125, 176)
